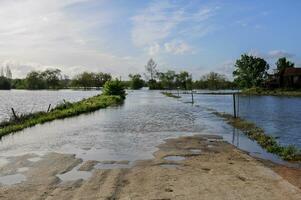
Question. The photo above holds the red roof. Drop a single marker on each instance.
(292, 71)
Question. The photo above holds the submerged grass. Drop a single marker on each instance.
(290, 153)
(169, 94)
(64, 110)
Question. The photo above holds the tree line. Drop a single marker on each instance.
(249, 71)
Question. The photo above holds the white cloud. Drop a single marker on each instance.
(271, 55)
(38, 34)
(163, 21)
(153, 49)
(279, 54)
(177, 47)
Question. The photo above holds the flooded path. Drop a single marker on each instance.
(129, 132)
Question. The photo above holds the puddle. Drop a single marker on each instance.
(210, 146)
(111, 166)
(22, 169)
(74, 175)
(195, 151)
(35, 159)
(12, 179)
(169, 166)
(174, 158)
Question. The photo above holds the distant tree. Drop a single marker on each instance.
(35, 81)
(8, 73)
(183, 80)
(5, 83)
(136, 81)
(101, 78)
(282, 64)
(167, 79)
(214, 80)
(85, 79)
(52, 78)
(1, 72)
(18, 84)
(250, 71)
(151, 69)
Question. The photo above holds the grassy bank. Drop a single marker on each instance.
(275, 92)
(267, 142)
(61, 111)
(169, 94)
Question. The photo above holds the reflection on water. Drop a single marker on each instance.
(129, 132)
(25, 101)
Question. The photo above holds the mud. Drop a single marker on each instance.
(217, 171)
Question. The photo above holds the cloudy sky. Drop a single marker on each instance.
(119, 36)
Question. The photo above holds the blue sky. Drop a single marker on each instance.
(120, 36)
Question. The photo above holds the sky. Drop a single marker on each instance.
(120, 36)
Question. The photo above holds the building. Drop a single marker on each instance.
(288, 78)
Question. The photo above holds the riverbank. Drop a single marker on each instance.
(61, 111)
(275, 92)
(197, 167)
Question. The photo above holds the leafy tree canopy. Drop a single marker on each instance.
(250, 71)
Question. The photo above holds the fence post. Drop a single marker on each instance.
(14, 113)
(234, 106)
(49, 108)
(192, 100)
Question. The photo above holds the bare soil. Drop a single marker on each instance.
(217, 171)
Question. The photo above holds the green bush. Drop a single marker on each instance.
(114, 87)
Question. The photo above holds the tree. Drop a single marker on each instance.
(8, 73)
(151, 69)
(101, 78)
(84, 79)
(250, 71)
(136, 81)
(167, 79)
(214, 80)
(183, 80)
(52, 78)
(35, 81)
(282, 64)
(5, 83)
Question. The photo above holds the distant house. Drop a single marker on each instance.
(292, 77)
(289, 78)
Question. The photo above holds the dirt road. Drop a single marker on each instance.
(199, 167)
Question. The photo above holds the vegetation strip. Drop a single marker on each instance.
(290, 153)
(169, 94)
(61, 111)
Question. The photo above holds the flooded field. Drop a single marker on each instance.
(129, 132)
(278, 116)
(25, 101)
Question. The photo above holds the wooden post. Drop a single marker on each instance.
(49, 108)
(234, 106)
(14, 113)
(192, 100)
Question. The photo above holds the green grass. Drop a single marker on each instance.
(268, 92)
(61, 111)
(290, 153)
(169, 94)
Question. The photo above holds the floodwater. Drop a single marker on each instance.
(26, 101)
(127, 132)
(278, 116)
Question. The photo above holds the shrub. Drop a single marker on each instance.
(114, 87)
